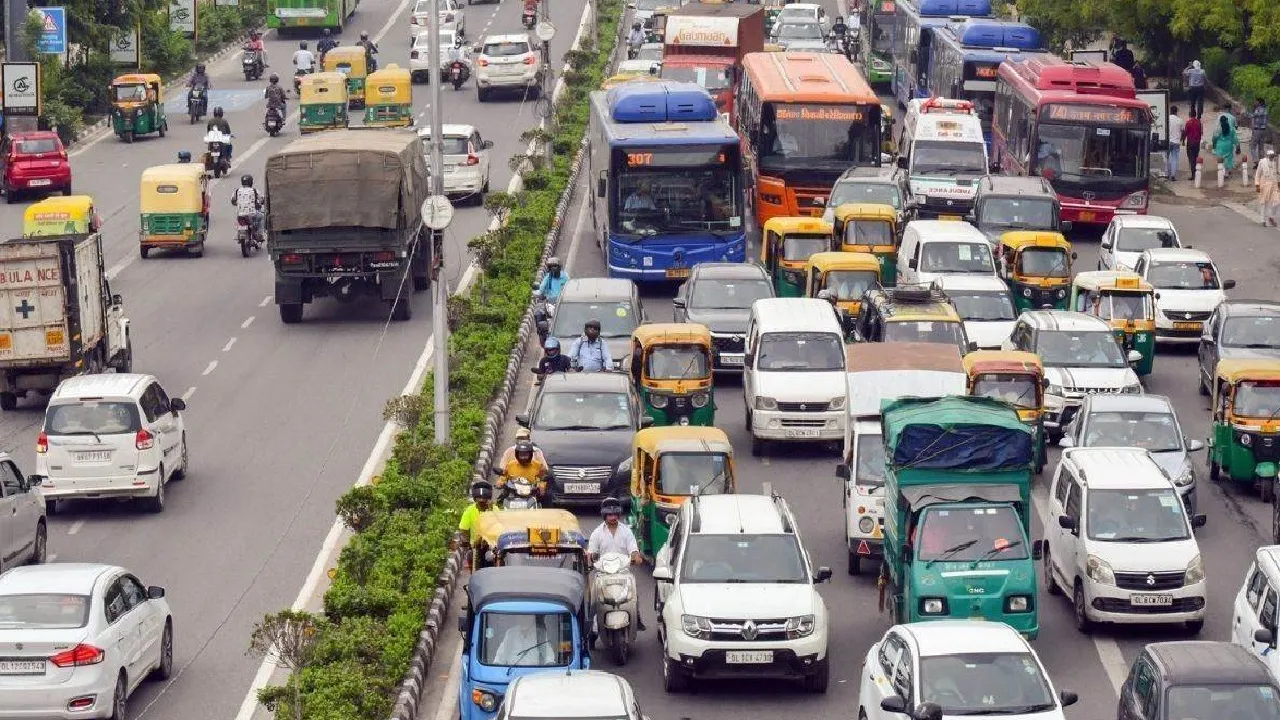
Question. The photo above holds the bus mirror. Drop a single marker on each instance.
(601, 185)
(902, 162)
(1066, 227)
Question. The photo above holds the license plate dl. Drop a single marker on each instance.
(678, 273)
(93, 456)
(1148, 600)
(1188, 326)
(582, 488)
(801, 433)
(21, 667)
(1088, 216)
(40, 183)
(731, 360)
(748, 657)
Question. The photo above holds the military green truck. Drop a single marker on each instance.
(958, 513)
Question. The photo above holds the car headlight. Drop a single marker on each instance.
(485, 700)
(695, 626)
(659, 401)
(1055, 390)
(1099, 571)
(766, 403)
(1187, 476)
(1026, 292)
(1135, 389)
(1062, 292)
(802, 626)
(700, 400)
(1195, 571)
(1018, 603)
(933, 606)
(1246, 439)
(866, 525)
(837, 403)
(625, 465)
(669, 519)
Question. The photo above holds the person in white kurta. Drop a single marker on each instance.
(1267, 183)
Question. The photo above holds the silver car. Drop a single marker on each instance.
(24, 534)
(571, 695)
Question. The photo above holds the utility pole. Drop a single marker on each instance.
(441, 213)
(546, 31)
(15, 19)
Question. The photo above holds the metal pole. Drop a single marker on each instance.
(547, 85)
(15, 14)
(440, 294)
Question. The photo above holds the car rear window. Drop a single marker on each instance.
(456, 146)
(422, 8)
(33, 147)
(44, 611)
(92, 418)
(506, 49)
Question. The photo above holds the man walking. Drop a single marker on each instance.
(1258, 124)
(1265, 182)
(1192, 134)
(1176, 132)
(1193, 78)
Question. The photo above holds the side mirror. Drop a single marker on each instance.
(971, 218)
(601, 188)
(522, 420)
(117, 300)
(1157, 296)
(1199, 521)
(155, 592)
(973, 345)
(1194, 446)
(1066, 226)
(679, 302)
(646, 421)
(662, 574)
(177, 404)
(1134, 357)
(1074, 256)
(1066, 442)
(1037, 550)
(824, 574)
(1066, 522)
(486, 145)
(1229, 285)
(1068, 698)
(901, 162)
(894, 704)
(911, 263)
(462, 624)
(1264, 636)
(34, 481)
(1105, 245)
(843, 473)
(1208, 340)
(928, 711)
(994, 168)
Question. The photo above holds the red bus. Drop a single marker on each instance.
(1080, 125)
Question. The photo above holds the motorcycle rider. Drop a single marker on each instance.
(275, 96)
(249, 204)
(369, 50)
(553, 361)
(481, 501)
(613, 535)
(220, 123)
(526, 462)
(200, 80)
(838, 28)
(303, 58)
(454, 54)
(255, 43)
(635, 39)
(326, 44)
(553, 281)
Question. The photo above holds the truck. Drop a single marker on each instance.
(344, 220)
(957, 513)
(58, 317)
(705, 43)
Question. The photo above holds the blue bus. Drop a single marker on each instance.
(966, 58)
(666, 180)
(911, 52)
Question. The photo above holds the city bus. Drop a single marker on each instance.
(966, 61)
(804, 119)
(879, 20)
(1080, 125)
(911, 44)
(310, 14)
(666, 181)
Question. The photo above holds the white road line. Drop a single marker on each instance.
(213, 364)
(227, 347)
(190, 391)
(577, 233)
(52, 557)
(75, 527)
(266, 301)
(248, 321)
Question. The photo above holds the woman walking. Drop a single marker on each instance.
(1225, 143)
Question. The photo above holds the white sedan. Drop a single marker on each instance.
(78, 640)
(1188, 290)
(466, 161)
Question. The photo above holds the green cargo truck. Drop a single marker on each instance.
(958, 513)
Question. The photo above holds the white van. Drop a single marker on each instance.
(1254, 612)
(933, 248)
(944, 153)
(793, 379)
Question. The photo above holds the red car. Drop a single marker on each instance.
(33, 161)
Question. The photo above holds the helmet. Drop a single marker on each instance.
(523, 434)
(274, 78)
(200, 69)
(184, 156)
(302, 45)
(553, 262)
(635, 26)
(610, 506)
(552, 344)
(482, 490)
(217, 112)
(524, 451)
(246, 180)
(364, 35)
(325, 32)
(593, 323)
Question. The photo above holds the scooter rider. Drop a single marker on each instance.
(553, 281)
(219, 123)
(369, 50)
(526, 462)
(303, 59)
(255, 43)
(636, 38)
(199, 79)
(613, 535)
(248, 203)
(276, 95)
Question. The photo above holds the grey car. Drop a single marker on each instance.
(1144, 421)
(24, 533)
(719, 295)
(801, 37)
(877, 186)
(612, 301)
(1248, 329)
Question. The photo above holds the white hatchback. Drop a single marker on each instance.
(507, 62)
(420, 54)
(452, 18)
(466, 162)
(1128, 235)
(1188, 290)
(115, 435)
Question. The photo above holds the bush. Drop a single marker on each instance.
(1251, 82)
(386, 576)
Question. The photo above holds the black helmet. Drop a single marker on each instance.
(482, 490)
(200, 69)
(635, 26)
(364, 35)
(553, 262)
(217, 112)
(274, 78)
(246, 180)
(302, 45)
(610, 506)
(184, 156)
(524, 449)
(592, 323)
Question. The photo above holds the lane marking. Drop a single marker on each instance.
(75, 527)
(247, 322)
(577, 234)
(52, 557)
(766, 488)
(265, 301)
(227, 347)
(190, 391)
(765, 461)
(210, 367)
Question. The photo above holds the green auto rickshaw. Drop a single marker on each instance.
(670, 364)
(869, 228)
(785, 248)
(322, 103)
(1036, 265)
(137, 106)
(668, 466)
(388, 98)
(1245, 444)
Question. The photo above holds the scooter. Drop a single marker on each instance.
(217, 157)
(614, 605)
(458, 73)
(519, 493)
(274, 121)
(197, 104)
(245, 235)
(251, 63)
(543, 311)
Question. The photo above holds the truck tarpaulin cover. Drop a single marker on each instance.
(348, 178)
(956, 433)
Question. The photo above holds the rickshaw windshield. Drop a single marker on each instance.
(1255, 399)
(693, 474)
(677, 362)
(970, 535)
(799, 246)
(850, 284)
(526, 639)
(1017, 390)
(869, 472)
(129, 93)
(1044, 262)
(1126, 306)
(1154, 431)
(868, 233)
(522, 557)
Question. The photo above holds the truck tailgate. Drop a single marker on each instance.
(33, 304)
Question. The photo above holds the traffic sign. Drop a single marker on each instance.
(546, 31)
(53, 39)
(437, 212)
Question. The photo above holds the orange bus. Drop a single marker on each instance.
(804, 119)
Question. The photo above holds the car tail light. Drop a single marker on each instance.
(291, 259)
(63, 154)
(482, 62)
(42, 443)
(144, 440)
(529, 60)
(79, 655)
(384, 256)
(413, 20)
(413, 55)
(472, 160)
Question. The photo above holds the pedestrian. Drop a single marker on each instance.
(1123, 56)
(1193, 78)
(1228, 111)
(1139, 74)
(1258, 124)
(1225, 143)
(1265, 182)
(1176, 133)
(1192, 135)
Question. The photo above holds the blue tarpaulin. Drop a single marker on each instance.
(956, 433)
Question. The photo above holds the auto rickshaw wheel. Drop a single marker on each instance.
(1266, 489)
(143, 250)
(9, 401)
(196, 250)
(127, 136)
(1215, 472)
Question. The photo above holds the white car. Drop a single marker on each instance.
(985, 303)
(739, 557)
(795, 36)
(804, 13)
(466, 161)
(1128, 235)
(1188, 290)
(587, 694)
(1120, 543)
(507, 62)
(78, 640)
(964, 667)
(452, 18)
(24, 533)
(116, 435)
(420, 54)
(1254, 627)
(932, 249)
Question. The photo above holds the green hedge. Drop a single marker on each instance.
(386, 575)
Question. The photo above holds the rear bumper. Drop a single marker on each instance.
(494, 80)
(143, 484)
(50, 701)
(39, 179)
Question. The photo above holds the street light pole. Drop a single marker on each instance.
(436, 223)
(546, 31)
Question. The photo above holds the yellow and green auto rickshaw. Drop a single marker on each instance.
(1014, 377)
(350, 60)
(670, 364)
(174, 204)
(388, 98)
(54, 216)
(785, 247)
(670, 465)
(624, 78)
(322, 103)
(1245, 441)
(869, 228)
(847, 275)
(1037, 267)
(1127, 302)
(137, 106)
(544, 538)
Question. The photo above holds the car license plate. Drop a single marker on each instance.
(93, 456)
(21, 667)
(40, 183)
(731, 360)
(1088, 216)
(1150, 600)
(678, 273)
(748, 657)
(1188, 326)
(801, 433)
(950, 217)
(582, 488)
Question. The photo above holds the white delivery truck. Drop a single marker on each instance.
(945, 155)
(58, 317)
(880, 372)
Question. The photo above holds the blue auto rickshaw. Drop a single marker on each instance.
(518, 621)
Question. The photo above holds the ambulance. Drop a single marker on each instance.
(943, 151)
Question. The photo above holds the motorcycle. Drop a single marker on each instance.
(458, 73)
(519, 493)
(614, 605)
(217, 156)
(248, 239)
(529, 17)
(251, 63)
(274, 121)
(197, 103)
(543, 311)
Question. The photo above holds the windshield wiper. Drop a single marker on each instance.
(571, 427)
(1005, 711)
(952, 551)
(1137, 539)
(515, 663)
(82, 433)
(991, 553)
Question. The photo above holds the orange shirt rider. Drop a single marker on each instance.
(524, 461)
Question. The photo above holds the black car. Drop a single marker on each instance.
(1198, 679)
(1248, 329)
(1003, 203)
(719, 295)
(584, 422)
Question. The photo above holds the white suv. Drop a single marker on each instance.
(736, 595)
(466, 162)
(115, 435)
(507, 62)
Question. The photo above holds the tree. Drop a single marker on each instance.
(287, 638)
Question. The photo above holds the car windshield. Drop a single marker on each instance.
(92, 418)
(648, 5)
(1044, 262)
(985, 684)
(1137, 239)
(1257, 399)
(742, 558)
(798, 15)
(1183, 276)
(678, 362)
(709, 77)
(1015, 389)
(1079, 349)
(728, 294)
(617, 319)
(583, 411)
(505, 49)
(693, 474)
(1154, 431)
(1259, 331)
(799, 31)
(850, 284)
(792, 351)
(799, 246)
(869, 472)
(526, 639)
(874, 193)
(1136, 516)
(926, 331)
(983, 306)
(941, 157)
(1234, 702)
(956, 257)
(868, 233)
(1019, 213)
(525, 558)
(970, 535)
(34, 147)
(38, 611)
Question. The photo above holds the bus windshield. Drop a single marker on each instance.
(709, 77)
(881, 28)
(797, 136)
(1092, 154)
(668, 190)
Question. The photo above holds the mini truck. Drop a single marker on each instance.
(705, 43)
(957, 513)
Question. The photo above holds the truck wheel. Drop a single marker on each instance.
(400, 310)
(855, 563)
(291, 313)
(8, 401)
(421, 283)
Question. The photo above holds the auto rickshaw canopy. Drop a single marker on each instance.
(1112, 280)
(866, 211)
(350, 60)
(176, 188)
(1018, 240)
(70, 215)
(1008, 362)
(1232, 371)
(324, 88)
(672, 334)
(546, 530)
(1229, 375)
(391, 85)
(144, 81)
(825, 262)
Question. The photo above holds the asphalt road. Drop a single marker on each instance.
(281, 417)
